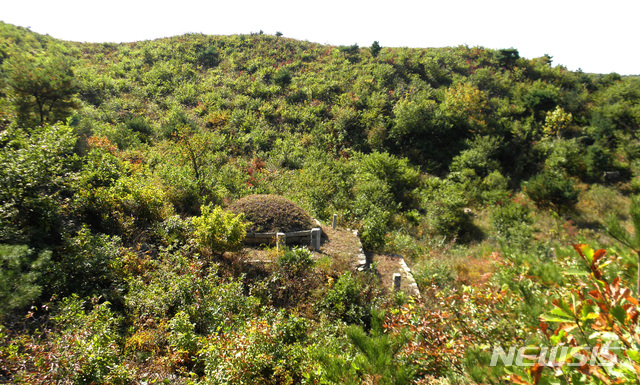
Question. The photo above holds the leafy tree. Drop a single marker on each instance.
(557, 122)
(42, 86)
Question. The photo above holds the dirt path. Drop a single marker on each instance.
(345, 244)
(345, 249)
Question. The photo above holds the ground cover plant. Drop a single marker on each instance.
(130, 174)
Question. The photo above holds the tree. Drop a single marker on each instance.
(377, 360)
(619, 233)
(375, 49)
(42, 86)
(557, 122)
(507, 57)
(351, 52)
(19, 272)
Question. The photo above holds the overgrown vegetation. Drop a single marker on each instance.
(130, 174)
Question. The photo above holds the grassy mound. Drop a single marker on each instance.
(269, 213)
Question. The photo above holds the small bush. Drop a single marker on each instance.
(292, 281)
(345, 301)
(296, 260)
(219, 231)
(512, 222)
(435, 272)
(269, 213)
(182, 336)
(551, 189)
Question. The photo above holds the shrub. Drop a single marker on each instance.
(551, 189)
(444, 201)
(480, 156)
(86, 264)
(81, 348)
(269, 351)
(182, 284)
(283, 77)
(292, 281)
(182, 336)
(402, 178)
(19, 273)
(375, 49)
(219, 231)
(512, 222)
(378, 357)
(345, 301)
(596, 162)
(127, 208)
(495, 188)
(208, 57)
(372, 209)
(269, 213)
(175, 230)
(437, 272)
(296, 260)
(37, 168)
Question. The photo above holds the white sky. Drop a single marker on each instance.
(596, 36)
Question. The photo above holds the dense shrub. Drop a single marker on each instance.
(181, 284)
(128, 208)
(37, 168)
(86, 264)
(292, 281)
(397, 173)
(218, 231)
(444, 202)
(268, 213)
(80, 348)
(512, 222)
(269, 351)
(481, 156)
(551, 189)
(20, 271)
(347, 301)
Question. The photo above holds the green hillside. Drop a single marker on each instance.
(120, 264)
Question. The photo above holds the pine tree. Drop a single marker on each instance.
(616, 231)
(42, 86)
(376, 362)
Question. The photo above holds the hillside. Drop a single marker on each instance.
(480, 167)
